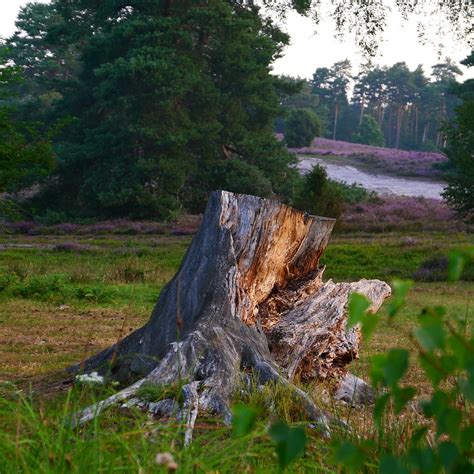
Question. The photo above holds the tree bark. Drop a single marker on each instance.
(416, 125)
(425, 132)
(248, 298)
(361, 115)
(398, 126)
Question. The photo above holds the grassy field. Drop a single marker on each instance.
(66, 297)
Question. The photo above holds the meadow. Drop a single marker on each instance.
(66, 296)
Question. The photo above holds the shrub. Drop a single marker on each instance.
(390, 213)
(353, 193)
(443, 440)
(128, 272)
(41, 288)
(318, 195)
(66, 228)
(301, 127)
(50, 217)
(369, 132)
(436, 269)
(239, 176)
(70, 247)
(97, 294)
(386, 160)
(7, 281)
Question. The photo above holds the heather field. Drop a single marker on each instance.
(377, 214)
(374, 159)
(399, 213)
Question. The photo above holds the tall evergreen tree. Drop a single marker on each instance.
(331, 86)
(460, 150)
(170, 95)
(26, 155)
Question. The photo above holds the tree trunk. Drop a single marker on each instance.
(361, 115)
(425, 132)
(248, 298)
(416, 125)
(398, 126)
(336, 111)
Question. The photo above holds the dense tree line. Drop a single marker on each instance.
(140, 108)
(389, 106)
(460, 150)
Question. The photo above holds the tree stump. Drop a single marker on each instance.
(248, 298)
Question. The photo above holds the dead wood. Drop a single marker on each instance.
(248, 298)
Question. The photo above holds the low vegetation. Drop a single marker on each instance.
(64, 303)
(378, 159)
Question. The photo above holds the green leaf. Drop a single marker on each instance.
(350, 456)
(467, 439)
(457, 261)
(449, 422)
(379, 408)
(467, 388)
(419, 435)
(400, 290)
(448, 453)
(401, 396)
(289, 442)
(436, 405)
(389, 368)
(431, 333)
(391, 465)
(376, 369)
(429, 364)
(358, 305)
(462, 349)
(422, 460)
(369, 325)
(243, 420)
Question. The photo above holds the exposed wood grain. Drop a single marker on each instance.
(248, 296)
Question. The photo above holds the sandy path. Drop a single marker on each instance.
(381, 184)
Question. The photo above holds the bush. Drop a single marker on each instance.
(70, 247)
(436, 269)
(51, 217)
(369, 132)
(240, 177)
(353, 193)
(443, 439)
(41, 288)
(318, 195)
(301, 127)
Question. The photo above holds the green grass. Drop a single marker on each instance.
(129, 442)
(386, 256)
(57, 307)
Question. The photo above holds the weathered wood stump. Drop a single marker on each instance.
(248, 298)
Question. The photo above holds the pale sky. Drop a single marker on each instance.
(314, 46)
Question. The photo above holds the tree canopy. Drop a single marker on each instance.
(408, 106)
(26, 155)
(166, 102)
(460, 150)
(301, 128)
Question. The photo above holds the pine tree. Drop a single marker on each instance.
(169, 97)
(460, 190)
